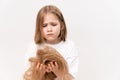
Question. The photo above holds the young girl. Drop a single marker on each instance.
(51, 30)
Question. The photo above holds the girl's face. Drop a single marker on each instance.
(51, 28)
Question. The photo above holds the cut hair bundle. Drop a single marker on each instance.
(46, 55)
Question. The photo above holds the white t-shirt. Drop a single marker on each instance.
(67, 49)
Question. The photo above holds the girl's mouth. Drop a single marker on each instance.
(50, 34)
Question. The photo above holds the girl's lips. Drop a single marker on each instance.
(50, 34)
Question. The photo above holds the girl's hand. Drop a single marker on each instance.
(41, 69)
(53, 66)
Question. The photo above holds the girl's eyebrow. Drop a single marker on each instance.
(51, 22)
(54, 22)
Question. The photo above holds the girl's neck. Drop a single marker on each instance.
(53, 42)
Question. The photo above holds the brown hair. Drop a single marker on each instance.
(39, 23)
(45, 56)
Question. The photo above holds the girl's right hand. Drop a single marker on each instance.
(41, 69)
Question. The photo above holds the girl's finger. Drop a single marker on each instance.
(38, 65)
(56, 64)
(41, 67)
(47, 68)
(50, 67)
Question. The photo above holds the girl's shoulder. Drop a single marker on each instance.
(71, 46)
(33, 45)
(69, 42)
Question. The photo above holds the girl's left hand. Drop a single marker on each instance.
(53, 66)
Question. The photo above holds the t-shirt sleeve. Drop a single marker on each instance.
(73, 61)
(31, 52)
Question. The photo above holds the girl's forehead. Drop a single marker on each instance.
(50, 16)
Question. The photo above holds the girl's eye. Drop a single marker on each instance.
(53, 24)
(44, 25)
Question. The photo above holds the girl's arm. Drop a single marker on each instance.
(73, 63)
(30, 52)
(73, 60)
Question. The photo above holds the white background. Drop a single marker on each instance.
(94, 25)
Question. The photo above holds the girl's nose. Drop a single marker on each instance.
(49, 28)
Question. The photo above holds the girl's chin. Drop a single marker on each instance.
(50, 40)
